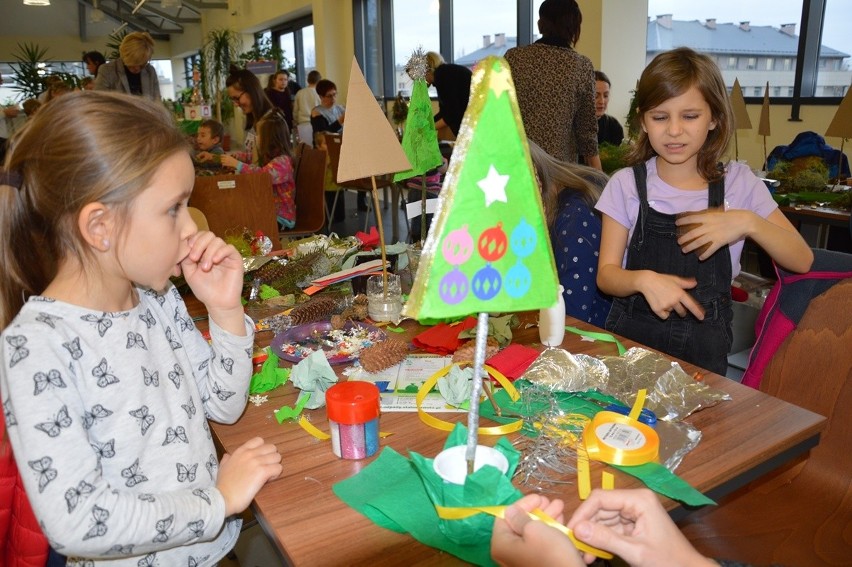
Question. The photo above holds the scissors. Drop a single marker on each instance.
(646, 416)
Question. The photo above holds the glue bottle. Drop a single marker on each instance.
(353, 417)
(551, 322)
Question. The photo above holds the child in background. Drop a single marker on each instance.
(209, 142)
(275, 156)
(30, 106)
(106, 383)
(651, 269)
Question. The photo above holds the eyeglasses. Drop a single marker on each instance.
(236, 99)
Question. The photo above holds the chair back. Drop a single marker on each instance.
(233, 203)
(310, 193)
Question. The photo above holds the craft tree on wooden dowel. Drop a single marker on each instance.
(841, 127)
(763, 127)
(369, 147)
(420, 139)
(741, 119)
(488, 249)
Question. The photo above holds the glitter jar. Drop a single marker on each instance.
(353, 417)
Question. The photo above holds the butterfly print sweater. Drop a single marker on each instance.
(107, 415)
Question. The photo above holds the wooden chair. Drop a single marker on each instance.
(199, 218)
(802, 514)
(310, 193)
(384, 182)
(233, 203)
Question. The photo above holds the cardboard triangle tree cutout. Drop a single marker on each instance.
(763, 127)
(369, 147)
(741, 119)
(488, 249)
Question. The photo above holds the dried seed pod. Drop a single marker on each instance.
(465, 352)
(383, 355)
(317, 309)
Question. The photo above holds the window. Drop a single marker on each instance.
(767, 35)
(193, 61)
(296, 40)
(758, 91)
(482, 28)
(415, 24)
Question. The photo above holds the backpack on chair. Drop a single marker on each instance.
(787, 302)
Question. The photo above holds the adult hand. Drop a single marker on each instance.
(243, 473)
(520, 540)
(633, 525)
(666, 293)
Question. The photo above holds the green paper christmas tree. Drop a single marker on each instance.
(488, 249)
(420, 139)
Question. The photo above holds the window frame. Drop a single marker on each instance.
(805, 66)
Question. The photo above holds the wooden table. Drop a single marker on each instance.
(823, 217)
(742, 439)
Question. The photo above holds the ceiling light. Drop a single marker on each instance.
(96, 15)
(170, 3)
(36, 2)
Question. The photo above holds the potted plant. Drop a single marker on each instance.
(222, 46)
(27, 72)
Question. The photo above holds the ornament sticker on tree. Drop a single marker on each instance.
(488, 249)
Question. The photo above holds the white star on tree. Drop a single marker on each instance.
(494, 186)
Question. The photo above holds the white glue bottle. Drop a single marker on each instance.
(551, 322)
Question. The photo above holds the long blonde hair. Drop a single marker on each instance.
(84, 147)
(555, 176)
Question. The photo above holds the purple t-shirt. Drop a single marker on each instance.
(743, 190)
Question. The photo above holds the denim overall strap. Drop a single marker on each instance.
(653, 246)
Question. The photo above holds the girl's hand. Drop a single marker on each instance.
(713, 229)
(633, 525)
(243, 473)
(214, 272)
(229, 161)
(203, 157)
(666, 293)
(520, 540)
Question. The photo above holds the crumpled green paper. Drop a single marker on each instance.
(500, 327)
(397, 493)
(456, 385)
(313, 376)
(270, 375)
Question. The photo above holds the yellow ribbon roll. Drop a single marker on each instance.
(617, 439)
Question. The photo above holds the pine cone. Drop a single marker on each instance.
(383, 355)
(465, 353)
(338, 321)
(317, 309)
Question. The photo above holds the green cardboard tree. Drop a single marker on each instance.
(488, 249)
(420, 139)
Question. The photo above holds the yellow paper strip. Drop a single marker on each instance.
(607, 480)
(312, 429)
(584, 476)
(637, 405)
(442, 425)
(459, 513)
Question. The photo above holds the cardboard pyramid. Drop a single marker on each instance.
(488, 249)
(841, 124)
(369, 146)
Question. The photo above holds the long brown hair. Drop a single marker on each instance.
(671, 74)
(84, 147)
(273, 137)
(555, 176)
(247, 82)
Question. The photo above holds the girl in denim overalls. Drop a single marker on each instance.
(673, 293)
